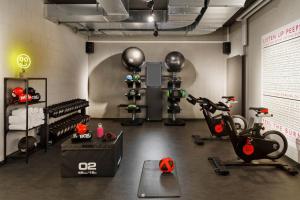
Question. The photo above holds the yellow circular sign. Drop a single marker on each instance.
(23, 61)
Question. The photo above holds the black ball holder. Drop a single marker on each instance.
(174, 100)
(134, 85)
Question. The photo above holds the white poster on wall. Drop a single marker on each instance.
(281, 83)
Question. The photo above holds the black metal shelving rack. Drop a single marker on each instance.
(61, 117)
(43, 135)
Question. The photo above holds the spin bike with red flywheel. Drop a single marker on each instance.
(214, 121)
(253, 145)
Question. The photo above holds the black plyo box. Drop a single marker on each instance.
(91, 159)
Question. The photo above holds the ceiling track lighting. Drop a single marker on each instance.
(151, 18)
(150, 4)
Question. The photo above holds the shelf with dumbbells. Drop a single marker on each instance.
(133, 59)
(69, 114)
(174, 63)
(20, 117)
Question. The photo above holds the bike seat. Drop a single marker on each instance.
(230, 98)
(260, 110)
(223, 105)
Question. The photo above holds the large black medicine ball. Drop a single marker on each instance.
(174, 61)
(133, 58)
(32, 144)
(31, 91)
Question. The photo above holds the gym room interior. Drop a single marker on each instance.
(149, 99)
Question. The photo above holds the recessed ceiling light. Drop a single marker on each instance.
(151, 18)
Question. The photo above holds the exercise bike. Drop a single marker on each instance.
(215, 122)
(253, 145)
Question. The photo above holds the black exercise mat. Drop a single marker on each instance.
(154, 184)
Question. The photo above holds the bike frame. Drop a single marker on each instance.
(258, 126)
(211, 120)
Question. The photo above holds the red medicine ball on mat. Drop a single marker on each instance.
(166, 165)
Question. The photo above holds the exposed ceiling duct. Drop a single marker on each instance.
(115, 10)
(227, 3)
(65, 13)
(96, 11)
(187, 10)
(129, 17)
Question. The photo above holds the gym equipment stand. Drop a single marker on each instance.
(220, 167)
(133, 121)
(65, 126)
(7, 106)
(174, 121)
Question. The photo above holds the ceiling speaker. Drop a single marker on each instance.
(89, 47)
(227, 48)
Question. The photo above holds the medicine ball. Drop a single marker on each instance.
(81, 129)
(132, 92)
(174, 108)
(23, 98)
(129, 78)
(183, 93)
(32, 144)
(133, 58)
(132, 108)
(136, 77)
(18, 91)
(36, 97)
(166, 165)
(31, 91)
(174, 61)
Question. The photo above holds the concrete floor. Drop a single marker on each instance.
(41, 180)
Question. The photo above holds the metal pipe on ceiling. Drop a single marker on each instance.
(192, 17)
(187, 28)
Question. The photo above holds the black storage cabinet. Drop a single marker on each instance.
(94, 158)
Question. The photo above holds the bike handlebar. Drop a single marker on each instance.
(212, 107)
(191, 99)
